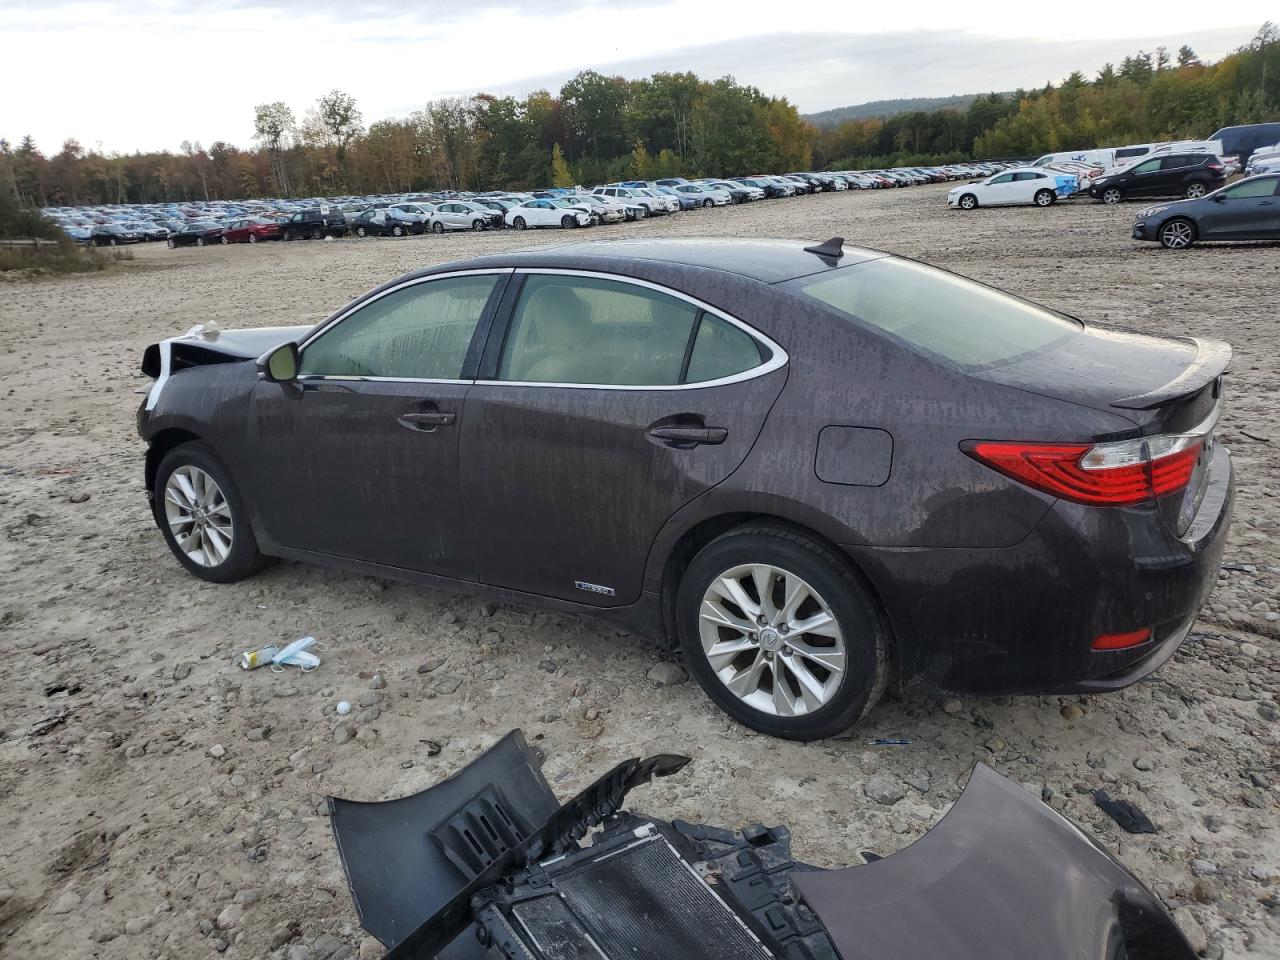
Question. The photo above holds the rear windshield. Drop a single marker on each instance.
(953, 319)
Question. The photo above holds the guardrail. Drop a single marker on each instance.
(27, 242)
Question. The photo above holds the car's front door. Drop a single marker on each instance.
(359, 456)
(607, 405)
(999, 190)
(1147, 180)
(1246, 211)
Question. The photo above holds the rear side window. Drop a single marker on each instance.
(720, 350)
(956, 320)
(419, 332)
(1253, 188)
(586, 330)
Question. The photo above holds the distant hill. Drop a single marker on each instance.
(889, 108)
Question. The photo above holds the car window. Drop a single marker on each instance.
(720, 350)
(1004, 178)
(1252, 188)
(570, 329)
(1147, 166)
(1174, 163)
(417, 332)
(958, 320)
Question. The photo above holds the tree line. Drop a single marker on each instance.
(599, 128)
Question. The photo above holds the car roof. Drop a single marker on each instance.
(768, 261)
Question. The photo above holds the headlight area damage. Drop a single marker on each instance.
(489, 865)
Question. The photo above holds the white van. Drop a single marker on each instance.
(1192, 146)
(1098, 157)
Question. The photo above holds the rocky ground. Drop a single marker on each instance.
(160, 802)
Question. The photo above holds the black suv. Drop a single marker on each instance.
(316, 223)
(1187, 175)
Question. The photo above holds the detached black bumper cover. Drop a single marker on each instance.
(487, 865)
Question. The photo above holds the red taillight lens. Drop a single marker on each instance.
(1122, 641)
(1104, 474)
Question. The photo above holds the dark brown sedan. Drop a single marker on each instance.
(816, 469)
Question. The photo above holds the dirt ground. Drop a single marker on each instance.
(159, 802)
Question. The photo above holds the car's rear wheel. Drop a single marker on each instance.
(253, 238)
(199, 241)
(317, 234)
(519, 223)
(781, 633)
(202, 517)
(172, 243)
(1177, 234)
(1112, 195)
(1195, 190)
(397, 231)
(1044, 198)
(437, 227)
(224, 239)
(968, 202)
(360, 232)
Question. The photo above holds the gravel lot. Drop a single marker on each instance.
(159, 802)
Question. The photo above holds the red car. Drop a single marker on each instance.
(251, 230)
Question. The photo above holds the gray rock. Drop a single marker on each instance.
(446, 685)
(66, 903)
(367, 735)
(258, 734)
(343, 733)
(1071, 712)
(217, 751)
(1191, 929)
(232, 916)
(370, 949)
(548, 665)
(329, 947)
(952, 705)
(1204, 868)
(103, 935)
(435, 663)
(247, 895)
(884, 790)
(300, 951)
(667, 674)
(283, 934)
(136, 925)
(1144, 763)
(377, 682)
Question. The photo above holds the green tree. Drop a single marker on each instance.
(560, 175)
(274, 127)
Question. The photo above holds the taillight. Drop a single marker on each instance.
(1101, 474)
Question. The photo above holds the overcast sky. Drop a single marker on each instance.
(148, 74)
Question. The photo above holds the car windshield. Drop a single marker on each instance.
(956, 320)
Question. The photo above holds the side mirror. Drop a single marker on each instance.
(281, 364)
(1218, 198)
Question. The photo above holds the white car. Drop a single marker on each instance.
(606, 209)
(1020, 185)
(654, 203)
(461, 215)
(706, 196)
(547, 213)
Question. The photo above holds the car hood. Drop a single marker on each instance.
(207, 343)
(1001, 868)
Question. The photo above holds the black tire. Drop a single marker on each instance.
(1195, 190)
(1044, 198)
(855, 609)
(199, 241)
(519, 223)
(1112, 195)
(253, 238)
(360, 232)
(568, 222)
(397, 231)
(172, 243)
(477, 225)
(225, 240)
(707, 203)
(1178, 233)
(317, 234)
(437, 227)
(968, 202)
(244, 558)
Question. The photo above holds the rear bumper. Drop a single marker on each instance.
(1022, 619)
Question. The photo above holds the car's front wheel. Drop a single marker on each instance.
(519, 223)
(1112, 195)
(437, 227)
(568, 222)
(202, 517)
(253, 238)
(968, 202)
(477, 225)
(225, 241)
(781, 633)
(397, 231)
(361, 231)
(1177, 234)
(172, 243)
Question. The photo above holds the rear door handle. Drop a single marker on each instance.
(690, 436)
(426, 421)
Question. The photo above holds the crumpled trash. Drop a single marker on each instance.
(296, 654)
(1128, 817)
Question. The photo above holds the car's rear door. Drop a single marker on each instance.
(358, 457)
(604, 405)
(1246, 210)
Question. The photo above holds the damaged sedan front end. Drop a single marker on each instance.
(488, 865)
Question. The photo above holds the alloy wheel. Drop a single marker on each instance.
(1194, 190)
(1177, 234)
(198, 515)
(968, 202)
(1111, 195)
(772, 640)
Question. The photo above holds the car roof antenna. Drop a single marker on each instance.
(832, 249)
